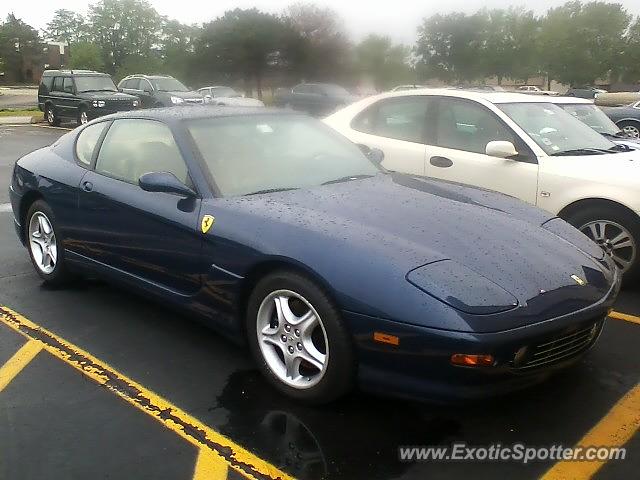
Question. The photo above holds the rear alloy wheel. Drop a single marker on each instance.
(50, 115)
(616, 231)
(632, 129)
(298, 339)
(44, 244)
(83, 117)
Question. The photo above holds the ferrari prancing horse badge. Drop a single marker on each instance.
(207, 223)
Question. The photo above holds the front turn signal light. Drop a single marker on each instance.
(472, 360)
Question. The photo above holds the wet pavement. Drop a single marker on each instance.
(57, 421)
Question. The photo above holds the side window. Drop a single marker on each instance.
(467, 126)
(144, 85)
(47, 82)
(87, 141)
(57, 84)
(134, 147)
(402, 118)
(67, 85)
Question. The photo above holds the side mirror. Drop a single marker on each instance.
(501, 149)
(374, 154)
(164, 182)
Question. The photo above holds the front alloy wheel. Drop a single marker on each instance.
(299, 341)
(292, 339)
(614, 239)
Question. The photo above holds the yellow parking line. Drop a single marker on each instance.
(625, 316)
(172, 417)
(18, 361)
(614, 430)
(210, 466)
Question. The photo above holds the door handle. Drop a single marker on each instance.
(87, 186)
(441, 162)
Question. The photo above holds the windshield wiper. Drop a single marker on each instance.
(580, 151)
(348, 178)
(270, 190)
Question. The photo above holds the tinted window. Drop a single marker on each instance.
(47, 82)
(132, 83)
(402, 118)
(467, 126)
(248, 154)
(86, 83)
(168, 84)
(67, 85)
(57, 84)
(135, 147)
(87, 142)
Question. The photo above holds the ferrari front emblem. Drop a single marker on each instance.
(207, 223)
(578, 280)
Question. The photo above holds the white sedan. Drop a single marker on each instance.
(520, 145)
(226, 96)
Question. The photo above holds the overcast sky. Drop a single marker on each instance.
(396, 18)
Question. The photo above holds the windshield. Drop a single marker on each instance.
(224, 92)
(168, 84)
(553, 129)
(249, 154)
(336, 90)
(592, 116)
(93, 84)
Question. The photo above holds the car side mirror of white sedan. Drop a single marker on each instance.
(501, 149)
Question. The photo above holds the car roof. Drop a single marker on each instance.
(136, 75)
(489, 96)
(196, 112)
(88, 73)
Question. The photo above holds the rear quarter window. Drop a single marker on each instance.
(87, 142)
(47, 83)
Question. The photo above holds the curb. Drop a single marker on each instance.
(22, 120)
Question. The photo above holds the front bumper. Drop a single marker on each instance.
(419, 366)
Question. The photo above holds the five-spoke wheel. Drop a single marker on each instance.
(42, 242)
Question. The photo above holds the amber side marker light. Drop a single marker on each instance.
(386, 338)
(468, 360)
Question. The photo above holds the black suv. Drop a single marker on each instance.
(81, 95)
(159, 90)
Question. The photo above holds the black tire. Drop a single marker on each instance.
(631, 125)
(620, 216)
(60, 274)
(82, 110)
(338, 377)
(50, 115)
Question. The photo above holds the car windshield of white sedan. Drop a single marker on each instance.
(259, 154)
(95, 84)
(556, 131)
(592, 116)
(224, 92)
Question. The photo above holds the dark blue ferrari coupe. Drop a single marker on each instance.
(280, 233)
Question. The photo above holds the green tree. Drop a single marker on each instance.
(88, 56)
(246, 43)
(67, 26)
(320, 37)
(123, 28)
(630, 64)
(583, 42)
(386, 63)
(177, 48)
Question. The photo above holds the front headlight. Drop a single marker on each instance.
(177, 100)
(575, 237)
(461, 288)
(98, 103)
(136, 103)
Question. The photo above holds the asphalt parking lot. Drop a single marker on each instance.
(98, 382)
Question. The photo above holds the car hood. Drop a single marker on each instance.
(238, 101)
(617, 170)
(112, 96)
(632, 143)
(387, 226)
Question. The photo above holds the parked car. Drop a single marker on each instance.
(313, 98)
(281, 233)
(533, 90)
(481, 88)
(159, 90)
(593, 116)
(80, 95)
(227, 96)
(584, 92)
(626, 117)
(516, 144)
